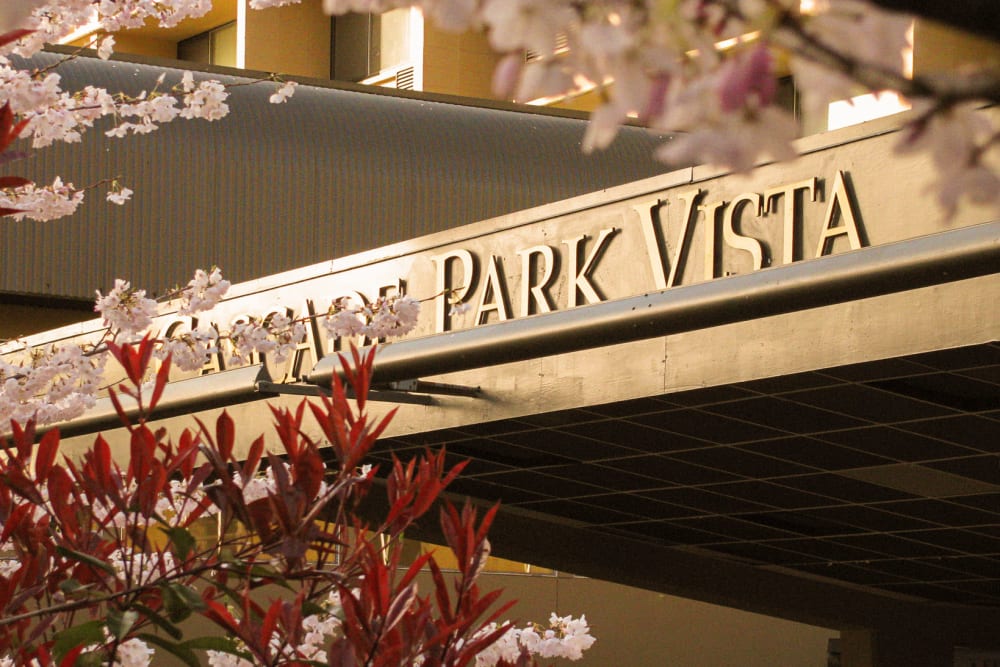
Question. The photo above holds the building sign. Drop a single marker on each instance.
(577, 256)
(677, 238)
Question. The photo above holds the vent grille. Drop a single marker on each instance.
(404, 79)
(561, 46)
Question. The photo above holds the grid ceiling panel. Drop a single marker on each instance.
(803, 472)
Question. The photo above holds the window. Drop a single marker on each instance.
(216, 46)
(380, 49)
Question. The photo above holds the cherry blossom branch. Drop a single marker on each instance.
(981, 84)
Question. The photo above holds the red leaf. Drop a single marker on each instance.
(309, 470)
(24, 438)
(126, 357)
(399, 607)
(252, 463)
(60, 487)
(16, 130)
(102, 461)
(415, 567)
(6, 116)
(13, 181)
(487, 521)
(145, 353)
(225, 436)
(70, 658)
(187, 444)
(270, 621)
(150, 488)
(441, 592)
(14, 35)
(162, 376)
(142, 448)
(262, 518)
(46, 454)
(18, 516)
(220, 615)
(288, 426)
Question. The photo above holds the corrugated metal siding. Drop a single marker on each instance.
(273, 187)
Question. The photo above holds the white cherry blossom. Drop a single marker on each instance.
(190, 351)
(287, 335)
(48, 384)
(566, 637)
(283, 93)
(203, 291)
(41, 203)
(345, 321)
(61, 382)
(106, 47)
(119, 196)
(249, 337)
(207, 100)
(125, 309)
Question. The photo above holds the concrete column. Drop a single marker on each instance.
(904, 646)
(921, 646)
(857, 648)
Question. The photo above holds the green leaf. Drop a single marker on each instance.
(180, 601)
(89, 659)
(186, 655)
(176, 610)
(235, 596)
(223, 644)
(190, 596)
(266, 575)
(181, 539)
(120, 622)
(66, 640)
(310, 608)
(72, 586)
(227, 557)
(85, 558)
(265, 571)
(157, 619)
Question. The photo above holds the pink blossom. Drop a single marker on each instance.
(747, 80)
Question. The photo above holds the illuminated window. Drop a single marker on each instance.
(379, 49)
(216, 46)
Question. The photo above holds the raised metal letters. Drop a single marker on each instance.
(578, 276)
(754, 223)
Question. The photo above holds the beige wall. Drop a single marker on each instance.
(151, 40)
(126, 42)
(289, 40)
(21, 320)
(633, 627)
(638, 628)
(937, 48)
(458, 64)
